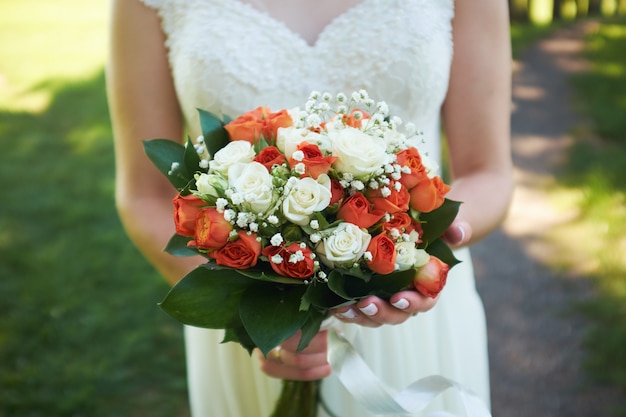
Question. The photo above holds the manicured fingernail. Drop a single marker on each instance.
(348, 314)
(401, 304)
(462, 232)
(369, 310)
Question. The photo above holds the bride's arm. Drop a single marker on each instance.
(143, 105)
(476, 117)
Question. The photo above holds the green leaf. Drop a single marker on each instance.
(191, 158)
(260, 144)
(320, 295)
(310, 328)
(207, 297)
(177, 246)
(437, 221)
(163, 153)
(215, 136)
(271, 313)
(384, 286)
(441, 250)
(269, 276)
(239, 335)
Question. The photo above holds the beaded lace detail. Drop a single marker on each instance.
(228, 57)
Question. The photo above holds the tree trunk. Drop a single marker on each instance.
(582, 8)
(519, 10)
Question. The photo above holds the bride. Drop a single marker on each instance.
(435, 62)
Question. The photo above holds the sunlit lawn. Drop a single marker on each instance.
(80, 331)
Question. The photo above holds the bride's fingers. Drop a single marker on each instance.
(459, 233)
(373, 311)
(412, 302)
(282, 363)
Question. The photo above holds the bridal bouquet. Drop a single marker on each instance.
(300, 211)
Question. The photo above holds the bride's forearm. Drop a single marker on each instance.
(150, 225)
(486, 197)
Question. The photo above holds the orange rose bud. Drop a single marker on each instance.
(352, 121)
(251, 125)
(411, 158)
(396, 202)
(431, 278)
(383, 252)
(428, 194)
(295, 263)
(270, 156)
(212, 230)
(186, 210)
(241, 253)
(314, 161)
(356, 209)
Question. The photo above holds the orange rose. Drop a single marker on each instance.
(428, 194)
(186, 210)
(356, 209)
(270, 156)
(402, 222)
(383, 253)
(350, 120)
(397, 201)
(411, 158)
(251, 125)
(336, 191)
(241, 253)
(295, 263)
(314, 161)
(431, 278)
(212, 230)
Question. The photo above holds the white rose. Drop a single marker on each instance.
(345, 245)
(253, 183)
(235, 152)
(357, 152)
(408, 256)
(305, 198)
(288, 139)
(209, 184)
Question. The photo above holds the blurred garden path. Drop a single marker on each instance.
(535, 336)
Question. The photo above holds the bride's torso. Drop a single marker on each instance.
(229, 56)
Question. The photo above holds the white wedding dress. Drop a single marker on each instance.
(228, 56)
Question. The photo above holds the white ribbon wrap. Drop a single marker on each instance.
(369, 391)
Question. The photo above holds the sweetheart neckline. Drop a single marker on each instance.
(297, 35)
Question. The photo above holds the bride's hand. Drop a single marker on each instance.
(309, 365)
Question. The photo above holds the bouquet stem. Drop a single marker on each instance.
(297, 399)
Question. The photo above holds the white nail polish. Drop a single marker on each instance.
(401, 304)
(370, 309)
(349, 314)
(462, 231)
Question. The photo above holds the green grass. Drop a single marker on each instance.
(596, 172)
(80, 331)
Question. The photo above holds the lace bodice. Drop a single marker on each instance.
(229, 57)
